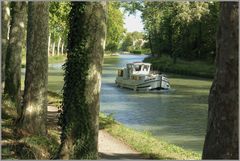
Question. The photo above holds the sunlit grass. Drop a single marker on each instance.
(51, 59)
(150, 146)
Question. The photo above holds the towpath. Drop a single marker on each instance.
(109, 146)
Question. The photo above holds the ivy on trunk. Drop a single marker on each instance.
(85, 48)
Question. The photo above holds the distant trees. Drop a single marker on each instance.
(34, 112)
(222, 138)
(181, 29)
(58, 27)
(132, 40)
(115, 28)
(14, 52)
(86, 43)
(127, 43)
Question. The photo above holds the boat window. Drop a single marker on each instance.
(145, 68)
(137, 67)
(129, 66)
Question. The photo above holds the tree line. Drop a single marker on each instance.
(185, 30)
(86, 39)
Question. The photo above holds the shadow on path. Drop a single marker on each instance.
(120, 156)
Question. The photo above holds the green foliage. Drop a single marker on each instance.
(58, 20)
(184, 30)
(136, 51)
(115, 28)
(132, 6)
(183, 67)
(133, 41)
(42, 147)
(127, 43)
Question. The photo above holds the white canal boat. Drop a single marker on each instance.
(137, 76)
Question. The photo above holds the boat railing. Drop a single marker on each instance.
(154, 72)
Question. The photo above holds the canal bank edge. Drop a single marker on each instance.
(182, 67)
(145, 143)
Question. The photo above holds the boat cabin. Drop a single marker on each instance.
(136, 68)
(139, 68)
(137, 76)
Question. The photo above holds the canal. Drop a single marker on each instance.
(178, 116)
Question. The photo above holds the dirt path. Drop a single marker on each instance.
(109, 147)
(112, 148)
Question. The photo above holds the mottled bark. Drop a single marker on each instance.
(33, 118)
(86, 42)
(221, 140)
(14, 52)
(5, 23)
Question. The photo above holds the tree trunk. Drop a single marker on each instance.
(33, 118)
(53, 49)
(170, 40)
(49, 44)
(58, 47)
(5, 24)
(174, 58)
(150, 44)
(86, 44)
(221, 140)
(62, 48)
(14, 52)
(199, 40)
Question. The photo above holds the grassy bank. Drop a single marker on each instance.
(139, 52)
(145, 143)
(134, 52)
(57, 59)
(51, 59)
(182, 67)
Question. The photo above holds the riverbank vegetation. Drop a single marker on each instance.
(183, 67)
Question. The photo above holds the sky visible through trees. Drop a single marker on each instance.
(133, 22)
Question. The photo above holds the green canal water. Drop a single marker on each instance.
(178, 116)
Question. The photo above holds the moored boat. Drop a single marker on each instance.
(137, 76)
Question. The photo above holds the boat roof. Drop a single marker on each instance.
(140, 63)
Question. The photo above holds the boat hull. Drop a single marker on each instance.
(159, 83)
